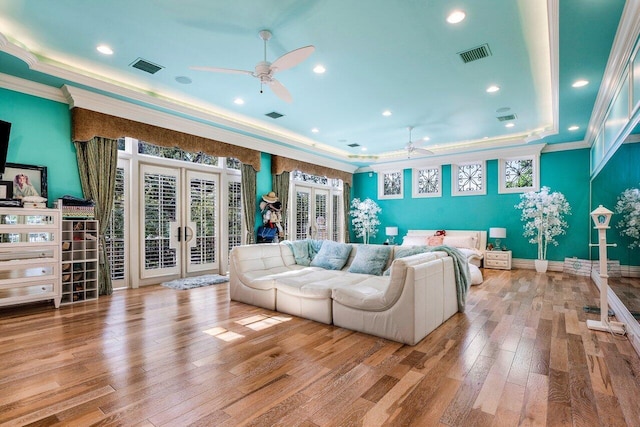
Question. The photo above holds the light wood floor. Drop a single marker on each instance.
(520, 355)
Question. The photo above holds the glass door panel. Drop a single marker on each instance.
(201, 230)
(160, 221)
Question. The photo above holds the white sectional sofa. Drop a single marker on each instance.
(418, 295)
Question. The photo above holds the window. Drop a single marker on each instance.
(427, 182)
(518, 175)
(176, 154)
(390, 185)
(318, 211)
(468, 179)
(115, 233)
(234, 216)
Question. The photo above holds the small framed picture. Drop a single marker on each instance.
(6, 190)
(27, 180)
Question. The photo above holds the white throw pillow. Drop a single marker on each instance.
(459, 241)
(414, 240)
(476, 275)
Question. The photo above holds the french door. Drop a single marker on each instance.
(312, 218)
(179, 211)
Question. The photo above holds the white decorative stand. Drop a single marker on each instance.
(601, 217)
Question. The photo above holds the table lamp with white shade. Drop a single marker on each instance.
(497, 233)
(391, 232)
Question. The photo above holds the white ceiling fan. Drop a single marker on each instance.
(265, 70)
(413, 148)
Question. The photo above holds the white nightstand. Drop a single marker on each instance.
(500, 260)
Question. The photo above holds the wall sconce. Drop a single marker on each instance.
(497, 233)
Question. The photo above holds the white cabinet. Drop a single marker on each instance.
(79, 260)
(500, 260)
(29, 255)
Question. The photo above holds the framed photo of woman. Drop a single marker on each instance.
(28, 180)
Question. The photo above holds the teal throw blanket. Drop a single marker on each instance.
(461, 270)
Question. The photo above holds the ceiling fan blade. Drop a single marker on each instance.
(280, 91)
(422, 150)
(222, 70)
(291, 59)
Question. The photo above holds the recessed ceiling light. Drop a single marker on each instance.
(426, 138)
(238, 101)
(485, 137)
(509, 125)
(315, 130)
(493, 88)
(363, 149)
(104, 49)
(386, 113)
(580, 83)
(574, 127)
(319, 69)
(456, 16)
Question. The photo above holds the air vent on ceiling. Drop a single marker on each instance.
(274, 115)
(146, 66)
(355, 144)
(506, 118)
(475, 53)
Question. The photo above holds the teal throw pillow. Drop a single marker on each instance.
(370, 259)
(332, 255)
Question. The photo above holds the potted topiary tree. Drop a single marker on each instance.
(543, 215)
(629, 206)
(365, 218)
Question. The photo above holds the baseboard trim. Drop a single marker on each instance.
(621, 312)
(529, 264)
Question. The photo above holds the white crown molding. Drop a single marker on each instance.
(481, 155)
(81, 98)
(623, 45)
(565, 146)
(31, 88)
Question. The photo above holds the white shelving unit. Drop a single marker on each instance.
(79, 260)
(29, 255)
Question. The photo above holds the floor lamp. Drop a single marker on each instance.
(601, 217)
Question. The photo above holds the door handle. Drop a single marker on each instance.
(187, 236)
(179, 234)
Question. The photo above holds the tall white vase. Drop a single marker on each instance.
(541, 265)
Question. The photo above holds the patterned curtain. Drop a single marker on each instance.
(281, 188)
(248, 182)
(346, 205)
(97, 163)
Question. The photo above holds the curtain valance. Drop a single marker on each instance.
(281, 164)
(87, 124)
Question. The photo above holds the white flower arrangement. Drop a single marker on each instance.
(629, 206)
(365, 218)
(543, 213)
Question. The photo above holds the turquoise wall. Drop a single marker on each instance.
(620, 172)
(264, 184)
(565, 171)
(41, 136)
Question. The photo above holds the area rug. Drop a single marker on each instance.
(196, 282)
